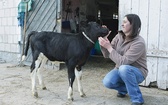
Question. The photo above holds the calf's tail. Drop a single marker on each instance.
(27, 44)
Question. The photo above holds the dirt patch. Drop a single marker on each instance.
(15, 87)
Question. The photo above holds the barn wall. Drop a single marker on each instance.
(153, 14)
(41, 18)
(9, 30)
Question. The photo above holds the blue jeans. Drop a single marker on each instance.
(125, 80)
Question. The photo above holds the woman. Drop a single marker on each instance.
(127, 50)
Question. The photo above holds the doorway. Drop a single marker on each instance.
(108, 15)
(104, 12)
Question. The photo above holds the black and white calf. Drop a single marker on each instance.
(73, 49)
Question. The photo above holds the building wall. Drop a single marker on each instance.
(153, 14)
(9, 31)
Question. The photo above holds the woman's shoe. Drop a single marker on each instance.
(121, 95)
(135, 103)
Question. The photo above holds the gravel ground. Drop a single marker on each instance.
(15, 87)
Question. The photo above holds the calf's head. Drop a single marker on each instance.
(94, 30)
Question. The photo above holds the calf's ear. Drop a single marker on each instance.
(83, 23)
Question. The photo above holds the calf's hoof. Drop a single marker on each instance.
(44, 88)
(35, 94)
(83, 95)
(70, 99)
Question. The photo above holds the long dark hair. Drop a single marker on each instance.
(136, 25)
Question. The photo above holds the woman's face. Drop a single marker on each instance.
(126, 26)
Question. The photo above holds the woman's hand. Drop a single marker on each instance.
(104, 42)
(107, 35)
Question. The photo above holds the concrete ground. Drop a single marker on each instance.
(15, 87)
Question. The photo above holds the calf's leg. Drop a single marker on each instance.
(33, 79)
(41, 82)
(37, 59)
(71, 78)
(78, 75)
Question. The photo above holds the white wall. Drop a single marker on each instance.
(9, 30)
(153, 14)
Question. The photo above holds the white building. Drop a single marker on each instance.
(153, 14)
